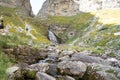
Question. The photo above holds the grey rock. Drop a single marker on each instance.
(86, 58)
(10, 72)
(12, 69)
(64, 58)
(41, 67)
(58, 8)
(118, 75)
(106, 72)
(66, 53)
(52, 70)
(76, 68)
(91, 74)
(44, 76)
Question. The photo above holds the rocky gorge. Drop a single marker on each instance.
(67, 40)
(52, 63)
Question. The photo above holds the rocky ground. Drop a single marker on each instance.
(52, 63)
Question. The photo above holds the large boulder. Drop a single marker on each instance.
(86, 58)
(74, 68)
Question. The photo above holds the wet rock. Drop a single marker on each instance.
(44, 76)
(52, 70)
(74, 68)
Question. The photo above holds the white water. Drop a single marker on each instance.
(52, 37)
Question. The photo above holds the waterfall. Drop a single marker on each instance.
(52, 37)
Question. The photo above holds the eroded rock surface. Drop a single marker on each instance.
(59, 8)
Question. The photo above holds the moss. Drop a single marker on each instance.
(110, 71)
(112, 54)
(13, 30)
(29, 74)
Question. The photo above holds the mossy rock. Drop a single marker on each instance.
(30, 74)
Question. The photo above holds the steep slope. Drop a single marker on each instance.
(21, 29)
(99, 28)
(24, 6)
(95, 26)
(104, 31)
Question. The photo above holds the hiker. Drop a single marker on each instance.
(1, 25)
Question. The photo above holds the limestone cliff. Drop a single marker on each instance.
(59, 8)
(24, 6)
(93, 5)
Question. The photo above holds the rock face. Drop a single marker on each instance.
(92, 5)
(23, 5)
(59, 8)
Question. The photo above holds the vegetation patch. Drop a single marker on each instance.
(5, 62)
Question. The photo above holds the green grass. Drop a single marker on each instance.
(12, 41)
(10, 17)
(5, 62)
(95, 50)
(61, 20)
(112, 54)
(14, 21)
